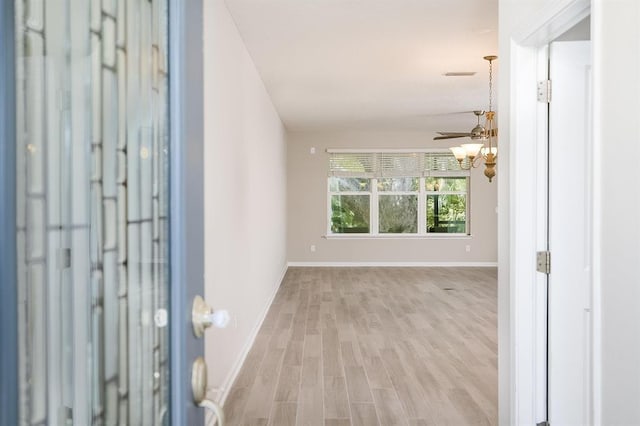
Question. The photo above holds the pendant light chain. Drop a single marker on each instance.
(490, 85)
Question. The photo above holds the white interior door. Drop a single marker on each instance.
(570, 234)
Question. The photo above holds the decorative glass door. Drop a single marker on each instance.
(92, 211)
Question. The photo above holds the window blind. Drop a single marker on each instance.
(390, 164)
(394, 164)
(350, 164)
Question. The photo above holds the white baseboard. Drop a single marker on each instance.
(231, 377)
(395, 264)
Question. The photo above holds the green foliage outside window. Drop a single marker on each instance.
(350, 214)
(398, 214)
(446, 213)
(442, 184)
(337, 184)
(408, 184)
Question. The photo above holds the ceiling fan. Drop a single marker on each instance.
(478, 132)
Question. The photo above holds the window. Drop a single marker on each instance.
(398, 205)
(446, 204)
(350, 205)
(383, 193)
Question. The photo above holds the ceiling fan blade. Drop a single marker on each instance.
(454, 133)
(437, 138)
(444, 114)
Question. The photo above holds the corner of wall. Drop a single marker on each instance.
(242, 356)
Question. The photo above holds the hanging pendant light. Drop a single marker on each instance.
(487, 136)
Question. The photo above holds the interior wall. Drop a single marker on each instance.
(245, 194)
(580, 31)
(616, 249)
(616, 44)
(307, 205)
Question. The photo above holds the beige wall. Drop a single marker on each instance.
(307, 202)
(245, 194)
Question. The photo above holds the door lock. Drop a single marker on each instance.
(199, 380)
(203, 317)
(199, 390)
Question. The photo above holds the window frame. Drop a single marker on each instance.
(422, 193)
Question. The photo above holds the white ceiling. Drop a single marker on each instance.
(371, 64)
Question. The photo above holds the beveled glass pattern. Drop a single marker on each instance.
(92, 185)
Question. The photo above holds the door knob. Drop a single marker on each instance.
(203, 317)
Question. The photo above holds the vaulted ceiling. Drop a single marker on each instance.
(371, 64)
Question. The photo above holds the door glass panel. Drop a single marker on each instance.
(92, 182)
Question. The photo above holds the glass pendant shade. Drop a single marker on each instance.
(472, 149)
(459, 152)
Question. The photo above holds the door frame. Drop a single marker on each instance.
(8, 262)
(186, 176)
(523, 228)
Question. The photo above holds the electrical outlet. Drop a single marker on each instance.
(467, 248)
(312, 150)
(312, 248)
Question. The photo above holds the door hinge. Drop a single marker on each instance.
(543, 262)
(544, 91)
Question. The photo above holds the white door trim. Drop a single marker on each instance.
(527, 138)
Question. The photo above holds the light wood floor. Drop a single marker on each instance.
(368, 346)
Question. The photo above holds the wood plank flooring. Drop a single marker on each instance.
(369, 346)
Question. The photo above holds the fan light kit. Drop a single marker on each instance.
(484, 138)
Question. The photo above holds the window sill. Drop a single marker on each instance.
(397, 237)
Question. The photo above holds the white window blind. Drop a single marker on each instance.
(389, 164)
(352, 164)
(442, 164)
